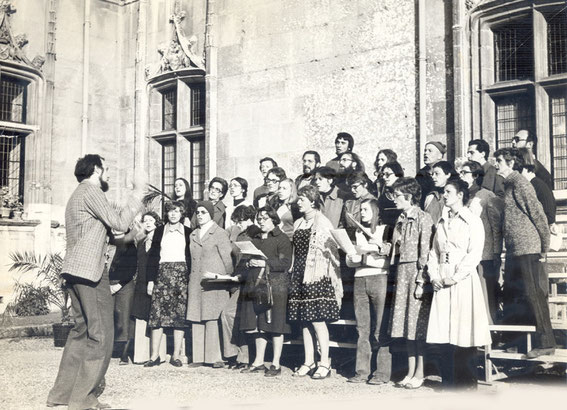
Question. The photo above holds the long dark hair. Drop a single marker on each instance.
(188, 201)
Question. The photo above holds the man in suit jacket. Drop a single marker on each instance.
(88, 219)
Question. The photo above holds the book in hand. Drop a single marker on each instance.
(246, 249)
(217, 277)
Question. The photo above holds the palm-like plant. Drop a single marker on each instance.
(47, 284)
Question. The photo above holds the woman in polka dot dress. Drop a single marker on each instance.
(316, 287)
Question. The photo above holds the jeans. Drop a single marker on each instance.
(372, 313)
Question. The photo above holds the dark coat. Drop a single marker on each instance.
(154, 254)
(142, 301)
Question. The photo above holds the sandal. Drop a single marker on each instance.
(403, 382)
(414, 383)
(300, 372)
(318, 375)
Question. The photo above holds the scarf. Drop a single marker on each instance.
(323, 256)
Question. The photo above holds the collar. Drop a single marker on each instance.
(473, 190)
(411, 213)
(333, 193)
(274, 232)
(175, 227)
(464, 214)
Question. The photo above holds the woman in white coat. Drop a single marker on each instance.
(458, 317)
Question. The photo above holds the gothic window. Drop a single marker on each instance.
(180, 132)
(522, 81)
(13, 105)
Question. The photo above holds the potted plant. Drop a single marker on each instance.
(10, 203)
(47, 284)
(4, 200)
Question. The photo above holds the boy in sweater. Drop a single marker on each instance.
(526, 235)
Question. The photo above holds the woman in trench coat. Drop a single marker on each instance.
(210, 252)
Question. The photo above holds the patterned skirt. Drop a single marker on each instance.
(169, 297)
(410, 315)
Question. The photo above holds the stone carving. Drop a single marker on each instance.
(179, 53)
(11, 47)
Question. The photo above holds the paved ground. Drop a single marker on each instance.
(28, 367)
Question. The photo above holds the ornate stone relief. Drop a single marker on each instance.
(11, 46)
(179, 53)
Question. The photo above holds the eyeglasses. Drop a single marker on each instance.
(462, 172)
(392, 195)
(271, 181)
(216, 189)
(201, 212)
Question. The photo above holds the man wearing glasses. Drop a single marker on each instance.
(525, 139)
(218, 187)
(266, 164)
(358, 184)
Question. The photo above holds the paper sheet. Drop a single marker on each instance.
(247, 249)
(342, 239)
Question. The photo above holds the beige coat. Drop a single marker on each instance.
(209, 254)
(458, 313)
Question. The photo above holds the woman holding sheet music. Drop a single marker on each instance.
(370, 293)
(316, 287)
(275, 245)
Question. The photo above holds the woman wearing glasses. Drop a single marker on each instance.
(238, 190)
(384, 156)
(389, 213)
(256, 319)
(272, 181)
(210, 252)
(358, 184)
(316, 288)
(218, 187)
(490, 208)
(411, 243)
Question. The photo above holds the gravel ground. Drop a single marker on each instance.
(29, 365)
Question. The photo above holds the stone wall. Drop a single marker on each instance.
(292, 74)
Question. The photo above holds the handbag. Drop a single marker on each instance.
(263, 289)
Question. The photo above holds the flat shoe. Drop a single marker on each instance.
(414, 383)
(176, 362)
(254, 369)
(357, 379)
(403, 382)
(376, 382)
(537, 352)
(320, 375)
(152, 363)
(218, 365)
(123, 362)
(309, 372)
(196, 364)
(273, 372)
(241, 366)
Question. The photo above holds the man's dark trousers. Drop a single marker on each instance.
(525, 280)
(89, 347)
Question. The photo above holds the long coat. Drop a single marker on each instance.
(458, 313)
(208, 254)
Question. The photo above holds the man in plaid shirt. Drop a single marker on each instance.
(89, 217)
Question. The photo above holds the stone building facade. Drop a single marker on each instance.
(198, 88)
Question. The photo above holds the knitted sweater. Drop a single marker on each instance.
(525, 224)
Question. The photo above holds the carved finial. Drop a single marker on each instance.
(38, 62)
(180, 52)
(11, 47)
